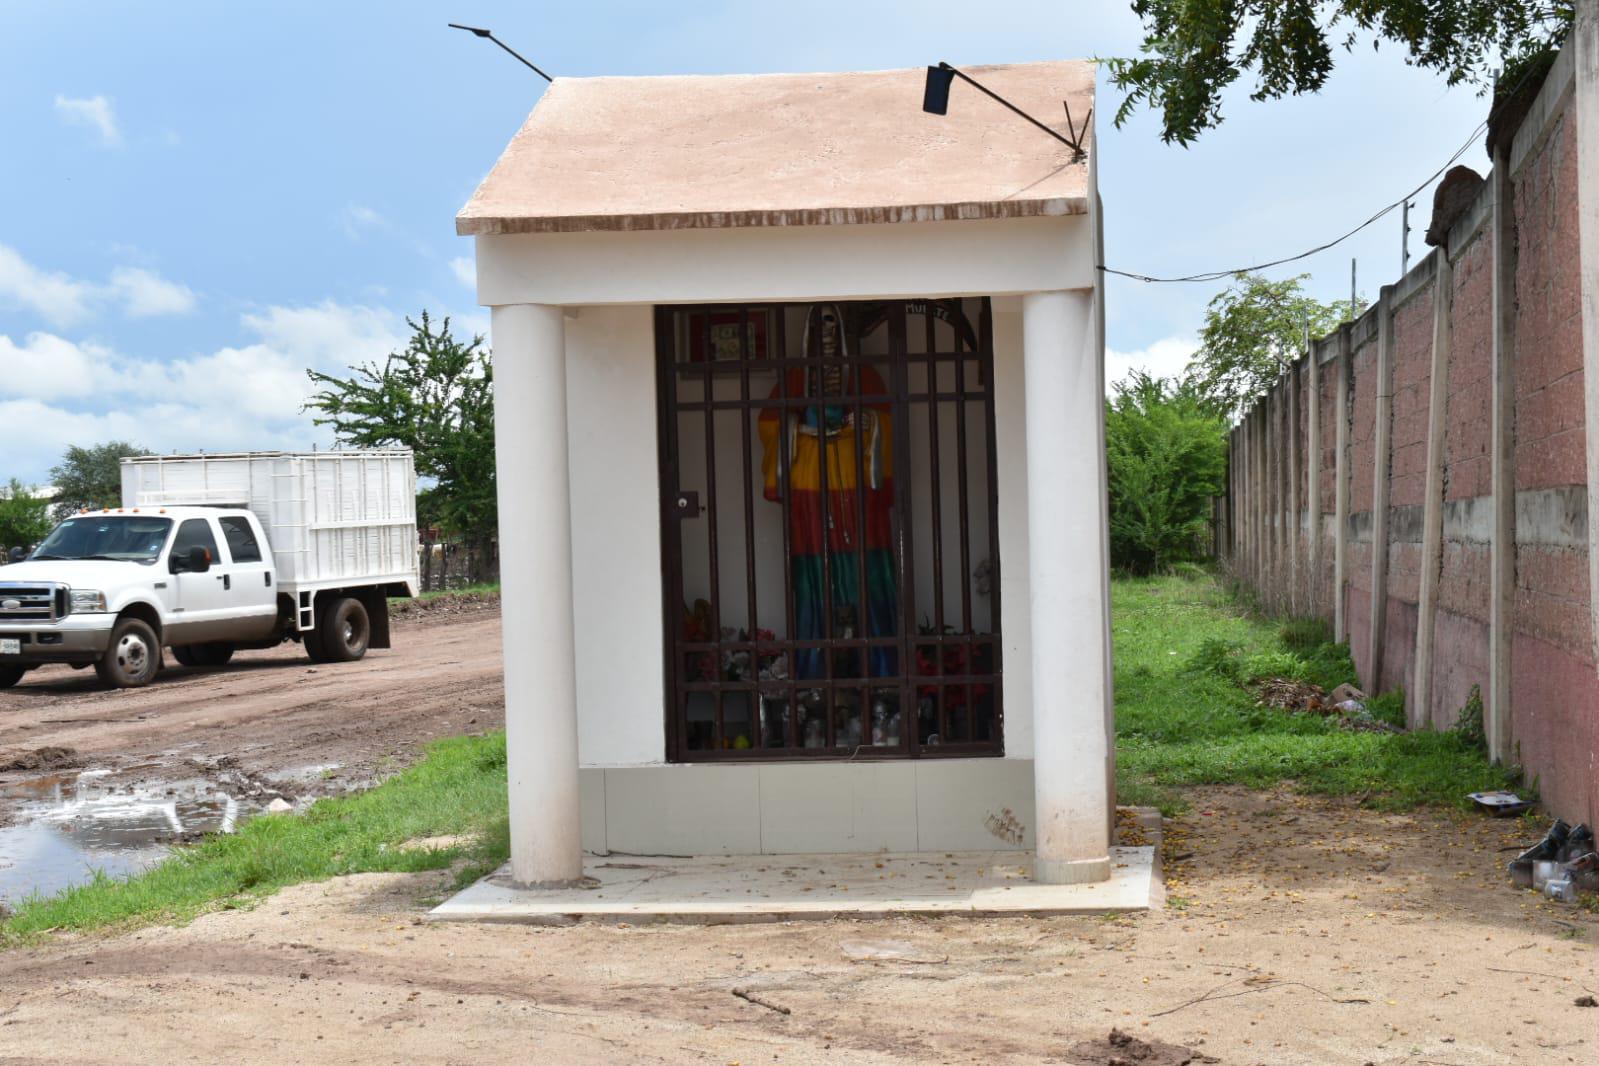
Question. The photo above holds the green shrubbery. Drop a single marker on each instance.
(1167, 457)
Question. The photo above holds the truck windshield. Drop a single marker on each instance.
(132, 538)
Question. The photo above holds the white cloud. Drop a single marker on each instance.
(1166, 358)
(57, 297)
(144, 293)
(63, 300)
(465, 271)
(94, 112)
(47, 367)
(55, 391)
(329, 334)
(359, 219)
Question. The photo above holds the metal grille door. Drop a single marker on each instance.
(830, 530)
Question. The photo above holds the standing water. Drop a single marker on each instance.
(69, 826)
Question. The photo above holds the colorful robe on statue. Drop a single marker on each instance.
(827, 434)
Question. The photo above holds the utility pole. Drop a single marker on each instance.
(1404, 238)
(1352, 304)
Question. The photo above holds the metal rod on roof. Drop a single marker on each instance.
(489, 35)
(1069, 142)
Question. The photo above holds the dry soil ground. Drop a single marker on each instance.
(269, 716)
(1299, 931)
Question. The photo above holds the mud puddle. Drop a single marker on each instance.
(67, 827)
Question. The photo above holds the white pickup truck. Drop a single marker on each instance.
(213, 554)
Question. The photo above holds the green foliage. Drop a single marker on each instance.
(1253, 332)
(1218, 658)
(1469, 725)
(91, 477)
(1305, 634)
(1329, 665)
(1194, 50)
(436, 397)
(1183, 717)
(24, 519)
(457, 790)
(1265, 665)
(1388, 707)
(1166, 454)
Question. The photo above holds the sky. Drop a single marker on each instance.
(198, 201)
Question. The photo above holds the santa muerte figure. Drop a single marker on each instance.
(846, 449)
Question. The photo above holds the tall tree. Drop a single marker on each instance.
(24, 517)
(1253, 332)
(436, 397)
(1166, 455)
(1193, 50)
(92, 476)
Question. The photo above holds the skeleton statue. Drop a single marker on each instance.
(832, 457)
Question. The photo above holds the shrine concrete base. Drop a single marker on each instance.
(760, 888)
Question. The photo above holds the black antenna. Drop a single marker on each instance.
(489, 35)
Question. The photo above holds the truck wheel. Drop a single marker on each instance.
(133, 658)
(10, 675)
(312, 642)
(185, 656)
(345, 631)
(214, 654)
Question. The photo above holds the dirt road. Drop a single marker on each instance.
(269, 716)
(1302, 932)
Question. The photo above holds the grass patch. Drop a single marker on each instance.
(458, 789)
(1186, 648)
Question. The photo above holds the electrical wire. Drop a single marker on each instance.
(1217, 275)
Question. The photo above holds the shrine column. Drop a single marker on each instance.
(536, 608)
(1065, 405)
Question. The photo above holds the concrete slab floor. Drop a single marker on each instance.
(771, 888)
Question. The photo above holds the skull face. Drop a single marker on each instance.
(829, 337)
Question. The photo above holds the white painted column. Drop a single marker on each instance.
(536, 610)
(1067, 566)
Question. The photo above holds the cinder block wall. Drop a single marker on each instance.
(1464, 542)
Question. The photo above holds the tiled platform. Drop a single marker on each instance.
(769, 888)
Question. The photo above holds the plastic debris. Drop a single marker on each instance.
(1500, 804)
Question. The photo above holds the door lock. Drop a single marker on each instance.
(687, 505)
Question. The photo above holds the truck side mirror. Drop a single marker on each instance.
(16, 555)
(196, 561)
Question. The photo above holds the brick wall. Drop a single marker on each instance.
(1548, 639)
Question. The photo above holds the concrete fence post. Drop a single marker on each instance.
(1432, 513)
(1268, 499)
(1586, 103)
(1295, 474)
(1313, 603)
(1381, 468)
(1502, 463)
(1246, 473)
(1341, 474)
(1262, 502)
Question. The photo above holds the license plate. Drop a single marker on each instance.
(10, 647)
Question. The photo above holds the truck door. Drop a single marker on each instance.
(202, 605)
(251, 593)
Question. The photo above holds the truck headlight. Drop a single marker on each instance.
(88, 601)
